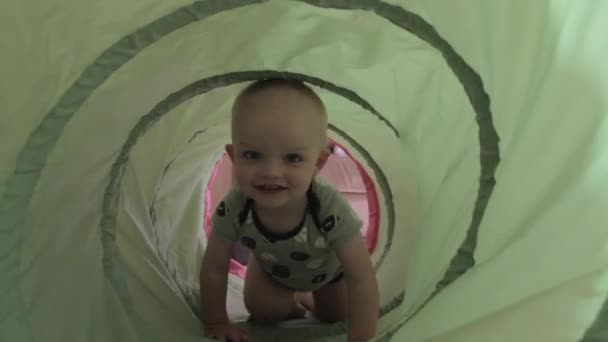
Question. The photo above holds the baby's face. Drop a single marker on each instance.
(278, 140)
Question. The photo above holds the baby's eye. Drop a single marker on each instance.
(251, 155)
(293, 158)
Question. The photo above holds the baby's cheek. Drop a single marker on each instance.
(241, 178)
(302, 182)
(243, 173)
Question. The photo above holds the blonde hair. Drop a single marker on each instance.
(273, 83)
(280, 83)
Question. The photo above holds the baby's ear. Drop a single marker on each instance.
(230, 150)
(322, 160)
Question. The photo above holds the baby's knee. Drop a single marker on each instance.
(265, 314)
(330, 316)
(265, 311)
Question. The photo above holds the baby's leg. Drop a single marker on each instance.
(266, 300)
(331, 302)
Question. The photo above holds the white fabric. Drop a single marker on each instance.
(541, 272)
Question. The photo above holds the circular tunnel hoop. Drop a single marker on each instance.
(30, 162)
(373, 216)
(203, 86)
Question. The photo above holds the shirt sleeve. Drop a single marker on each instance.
(339, 221)
(224, 221)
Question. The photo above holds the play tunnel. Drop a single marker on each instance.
(470, 136)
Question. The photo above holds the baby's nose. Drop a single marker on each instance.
(272, 168)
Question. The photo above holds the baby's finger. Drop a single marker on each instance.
(220, 336)
(233, 337)
(243, 334)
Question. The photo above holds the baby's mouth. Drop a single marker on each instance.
(270, 188)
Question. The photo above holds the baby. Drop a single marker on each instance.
(307, 252)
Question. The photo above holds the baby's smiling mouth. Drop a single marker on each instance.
(270, 187)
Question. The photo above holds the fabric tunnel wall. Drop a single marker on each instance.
(475, 132)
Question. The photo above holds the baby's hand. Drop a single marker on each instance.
(226, 332)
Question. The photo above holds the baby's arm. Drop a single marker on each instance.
(362, 288)
(213, 286)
